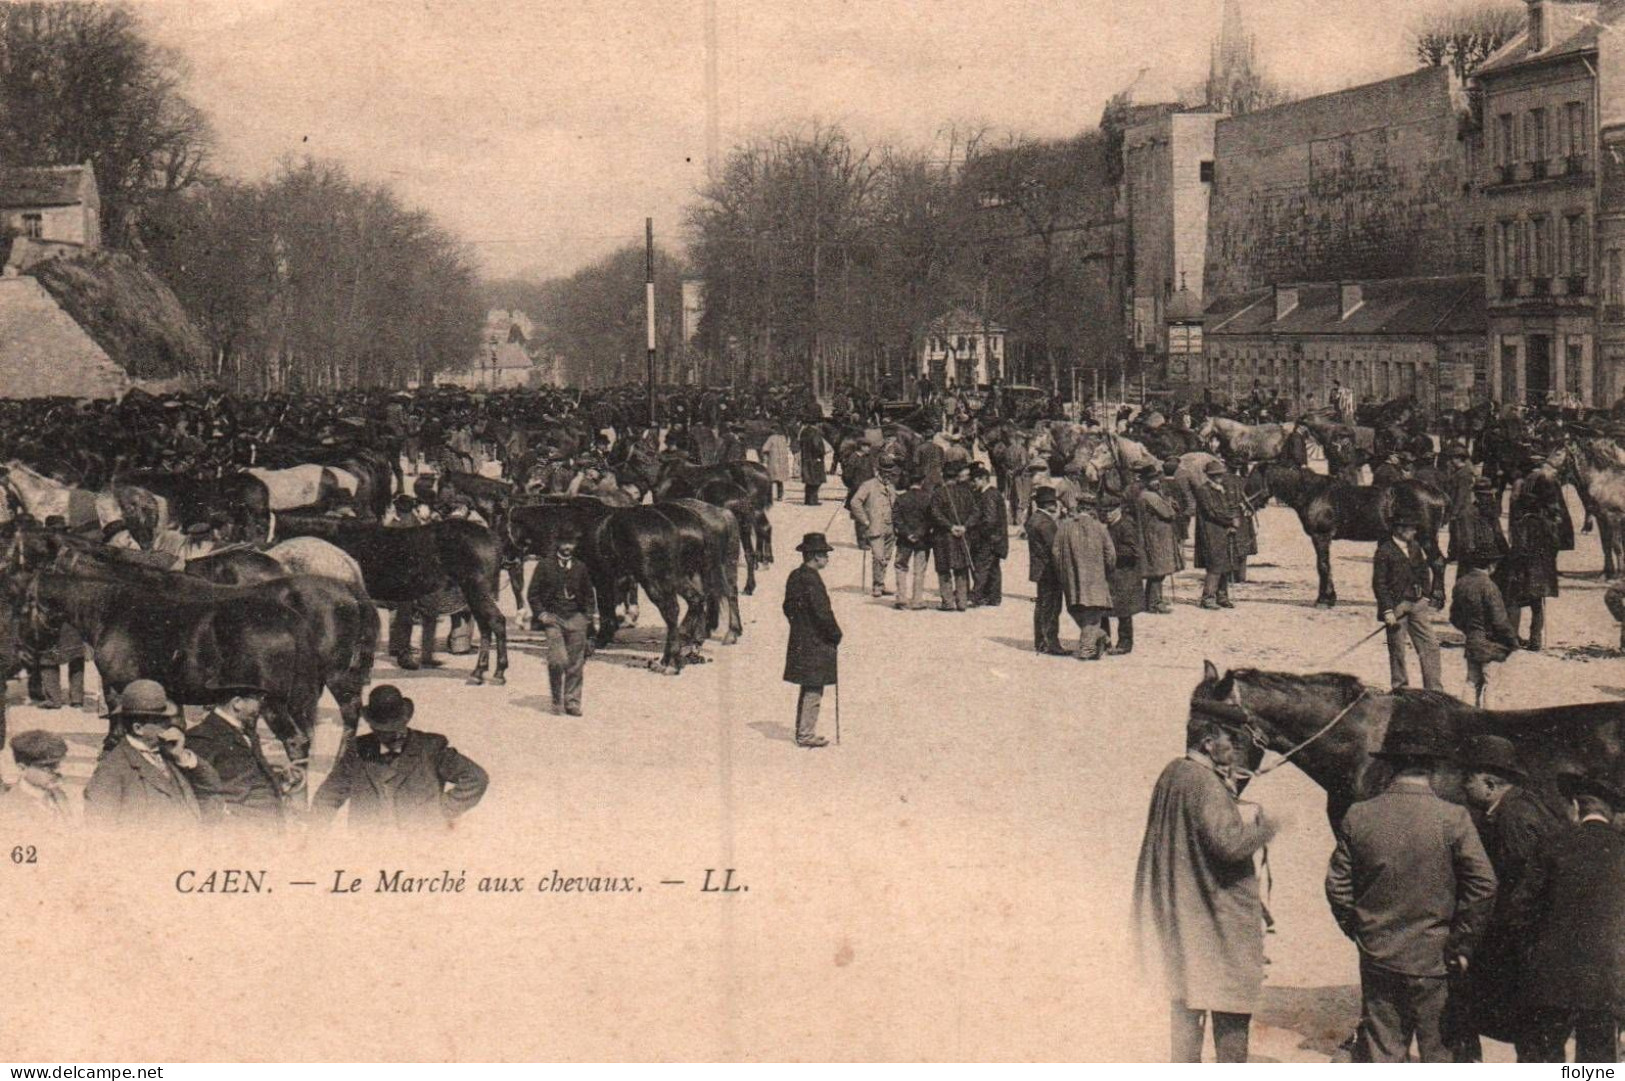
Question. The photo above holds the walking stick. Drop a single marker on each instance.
(1380, 628)
(837, 713)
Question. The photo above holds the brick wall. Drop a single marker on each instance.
(1364, 183)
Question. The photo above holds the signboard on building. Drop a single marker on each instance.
(1184, 339)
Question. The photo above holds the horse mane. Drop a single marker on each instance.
(1341, 686)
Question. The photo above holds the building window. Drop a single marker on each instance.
(1509, 368)
(1506, 255)
(1579, 135)
(1616, 271)
(1579, 245)
(1535, 136)
(1540, 237)
(33, 226)
(1206, 172)
(1574, 367)
(1506, 151)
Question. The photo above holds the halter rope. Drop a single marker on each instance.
(1263, 744)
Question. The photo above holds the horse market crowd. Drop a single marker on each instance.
(233, 554)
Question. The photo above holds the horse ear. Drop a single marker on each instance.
(1209, 672)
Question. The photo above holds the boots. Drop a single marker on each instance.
(1125, 638)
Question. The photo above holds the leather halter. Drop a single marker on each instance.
(1255, 730)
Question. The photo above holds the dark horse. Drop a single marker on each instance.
(752, 477)
(1331, 509)
(1284, 710)
(621, 545)
(189, 643)
(403, 566)
(723, 493)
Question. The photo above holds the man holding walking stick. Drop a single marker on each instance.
(814, 637)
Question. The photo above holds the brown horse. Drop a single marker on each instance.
(1329, 724)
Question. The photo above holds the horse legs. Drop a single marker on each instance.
(516, 581)
(491, 621)
(748, 546)
(1323, 566)
(764, 538)
(671, 658)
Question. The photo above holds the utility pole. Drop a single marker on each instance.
(713, 120)
(649, 306)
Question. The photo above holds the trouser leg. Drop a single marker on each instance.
(400, 630)
(1125, 633)
(1419, 625)
(1185, 1033)
(984, 571)
(880, 548)
(76, 682)
(1230, 1031)
(961, 589)
(51, 684)
(1537, 622)
(1428, 999)
(1210, 586)
(778, 490)
(36, 688)
(1596, 1036)
(1398, 676)
(1153, 593)
(922, 565)
(575, 638)
(1224, 587)
(993, 593)
(1047, 614)
(1386, 1033)
(807, 705)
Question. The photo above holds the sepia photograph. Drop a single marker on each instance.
(483, 484)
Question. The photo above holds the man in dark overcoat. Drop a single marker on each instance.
(1159, 533)
(989, 541)
(1571, 907)
(955, 512)
(1042, 526)
(1124, 578)
(249, 792)
(397, 776)
(563, 603)
(1217, 516)
(810, 442)
(1541, 528)
(815, 636)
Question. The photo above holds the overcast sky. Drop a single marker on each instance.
(544, 132)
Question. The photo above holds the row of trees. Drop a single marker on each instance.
(308, 278)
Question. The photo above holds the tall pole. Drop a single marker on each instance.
(713, 119)
(649, 307)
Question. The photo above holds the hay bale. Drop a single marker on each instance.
(128, 311)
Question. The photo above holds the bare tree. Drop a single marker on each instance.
(1464, 36)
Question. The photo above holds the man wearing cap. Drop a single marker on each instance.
(1197, 908)
(1477, 524)
(1042, 526)
(1398, 575)
(873, 507)
(1125, 577)
(1084, 559)
(989, 540)
(1541, 528)
(148, 777)
(1476, 609)
(955, 511)
(811, 442)
(911, 524)
(562, 602)
(1571, 907)
(1459, 478)
(1514, 825)
(250, 792)
(815, 636)
(1218, 516)
(1160, 553)
(1410, 884)
(38, 798)
(397, 776)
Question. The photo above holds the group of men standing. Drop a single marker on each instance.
(1503, 918)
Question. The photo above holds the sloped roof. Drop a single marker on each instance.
(42, 185)
(962, 321)
(1399, 306)
(129, 311)
(1580, 38)
(44, 353)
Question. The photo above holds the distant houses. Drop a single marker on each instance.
(506, 359)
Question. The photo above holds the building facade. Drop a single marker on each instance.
(1410, 337)
(1539, 174)
(961, 349)
(50, 211)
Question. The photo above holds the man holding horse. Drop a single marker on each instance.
(1398, 576)
(1196, 901)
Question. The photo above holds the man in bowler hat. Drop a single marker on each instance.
(149, 777)
(562, 603)
(1410, 883)
(396, 775)
(814, 637)
(1571, 908)
(1399, 580)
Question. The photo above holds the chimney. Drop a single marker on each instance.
(1352, 297)
(1537, 25)
(1286, 301)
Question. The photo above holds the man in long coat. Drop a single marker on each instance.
(1125, 578)
(955, 512)
(1218, 516)
(1571, 906)
(811, 441)
(989, 541)
(776, 460)
(1196, 903)
(249, 793)
(147, 778)
(810, 657)
(1042, 526)
(1159, 532)
(1541, 528)
(1084, 558)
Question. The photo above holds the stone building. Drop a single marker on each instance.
(962, 348)
(50, 211)
(1541, 189)
(1609, 358)
(1383, 339)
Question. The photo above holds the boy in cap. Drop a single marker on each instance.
(1571, 906)
(1476, 609)
(1197, 907)
(38, 798)
(1398, 576)
(1410, 884)
(397, 776)
(148, 777)
(815, 636)
(562, 602)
